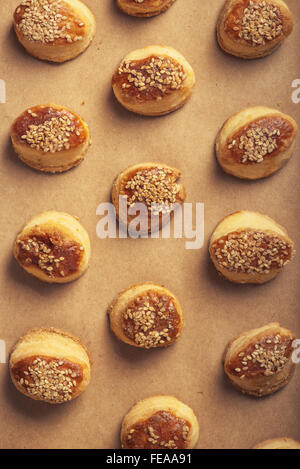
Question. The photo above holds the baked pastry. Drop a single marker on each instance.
(54, 247)
(153, 81)
(50, 365)
(146, 315)
(248, 247)
(144, 8)
(253, 28)
(258, 362)
(160, 422)
(256, 142)
(152, 184)
(278, 443)
(54, 30)
(50, 138)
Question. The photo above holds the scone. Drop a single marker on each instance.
(248, 247)
(278, 443)
(54, 247)
(144, 8)
(258, 362)
(160, 422)
(50, 138)
(256, 142)
(155, 186)
(253, 28)
(153, 81)
(146, 315)
(50, 365)
(54, 30)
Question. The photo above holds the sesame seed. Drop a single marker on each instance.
(145, 323)
(261, 22)
(252, 252)
(160, 74)
(47, 381)
(256, 143)
(52, 135)
(155, 187)
(267, 356)
(42, 21)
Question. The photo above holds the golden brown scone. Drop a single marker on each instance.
(152, 184)
(248, 247)
(256, 142)
(50, 365)
(253, 28)
(50, 138)
(278, 443)
(258, 362)
(146, 315)
(160, 422)
(54, 247)
(54, 30)
(144, 8)
(153, 81)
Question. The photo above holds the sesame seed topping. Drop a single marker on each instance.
(155, 187)
(48, 379)
(256, 143)
(162, 430)
(152, 77)
(151, 320)
(54, 255)
(267, 356)
(252, 252)
(45, 21)
(53, 134)
(261, 22)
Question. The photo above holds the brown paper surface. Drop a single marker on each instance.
(215, 310)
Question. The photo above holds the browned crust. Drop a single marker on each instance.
(118, 182)
(53, 330)
(270, 389)
(143, 14)
(164, 422)
(42, 113)
(54, 169)
(167, 293)
(287, 22)
(282, 443)
(66, 11)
